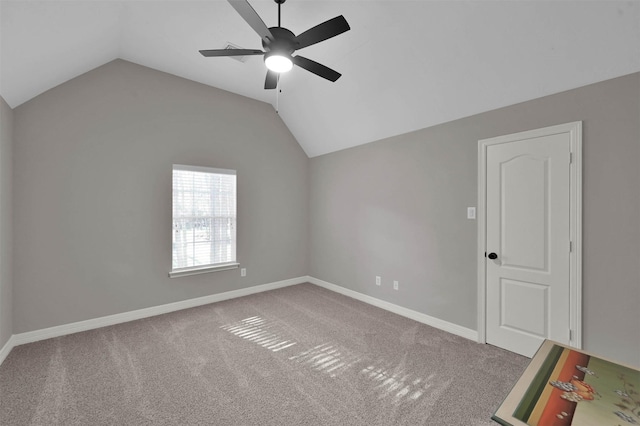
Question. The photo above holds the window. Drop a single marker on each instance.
(204, 220)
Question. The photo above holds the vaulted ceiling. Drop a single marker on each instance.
(406, 65)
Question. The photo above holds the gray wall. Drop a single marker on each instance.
(397, 208)
(92, 206)
(92, 168)
(6, 230)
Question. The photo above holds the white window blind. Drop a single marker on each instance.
(204, 218)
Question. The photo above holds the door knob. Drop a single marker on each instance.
(492, 256)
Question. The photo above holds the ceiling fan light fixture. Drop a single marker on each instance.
(277, 62)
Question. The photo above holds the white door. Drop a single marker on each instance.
(528, 240)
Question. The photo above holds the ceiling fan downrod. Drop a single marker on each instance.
(279, 4)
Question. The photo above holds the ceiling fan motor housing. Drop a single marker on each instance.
(284, 41)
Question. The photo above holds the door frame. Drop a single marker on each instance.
(575, 274)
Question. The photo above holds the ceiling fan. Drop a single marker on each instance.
(279, 44)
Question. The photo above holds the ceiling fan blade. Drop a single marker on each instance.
(321, 32)
(253, 19)
(230, 52)
(271, 82)
(316, 68)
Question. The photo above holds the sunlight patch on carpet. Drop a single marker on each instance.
(398, 385)
(390, 383)
(326, 358)
(256, 330)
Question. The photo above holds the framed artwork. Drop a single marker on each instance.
(564, 386)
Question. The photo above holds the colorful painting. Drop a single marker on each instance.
(564, 386)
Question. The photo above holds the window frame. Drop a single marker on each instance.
(213, 267)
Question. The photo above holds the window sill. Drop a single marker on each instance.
(177, 273)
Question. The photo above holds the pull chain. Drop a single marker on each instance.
(278, 91)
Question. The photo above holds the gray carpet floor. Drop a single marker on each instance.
(300, 355)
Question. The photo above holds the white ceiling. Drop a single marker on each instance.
(406, 65)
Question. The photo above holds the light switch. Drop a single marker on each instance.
(471, 212)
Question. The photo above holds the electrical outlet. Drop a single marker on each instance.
(395, 285)
(378, 280)
(243, 272)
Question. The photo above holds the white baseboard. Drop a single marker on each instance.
(7, 348)
(91, 324)
(405, 312)
(62, 330)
